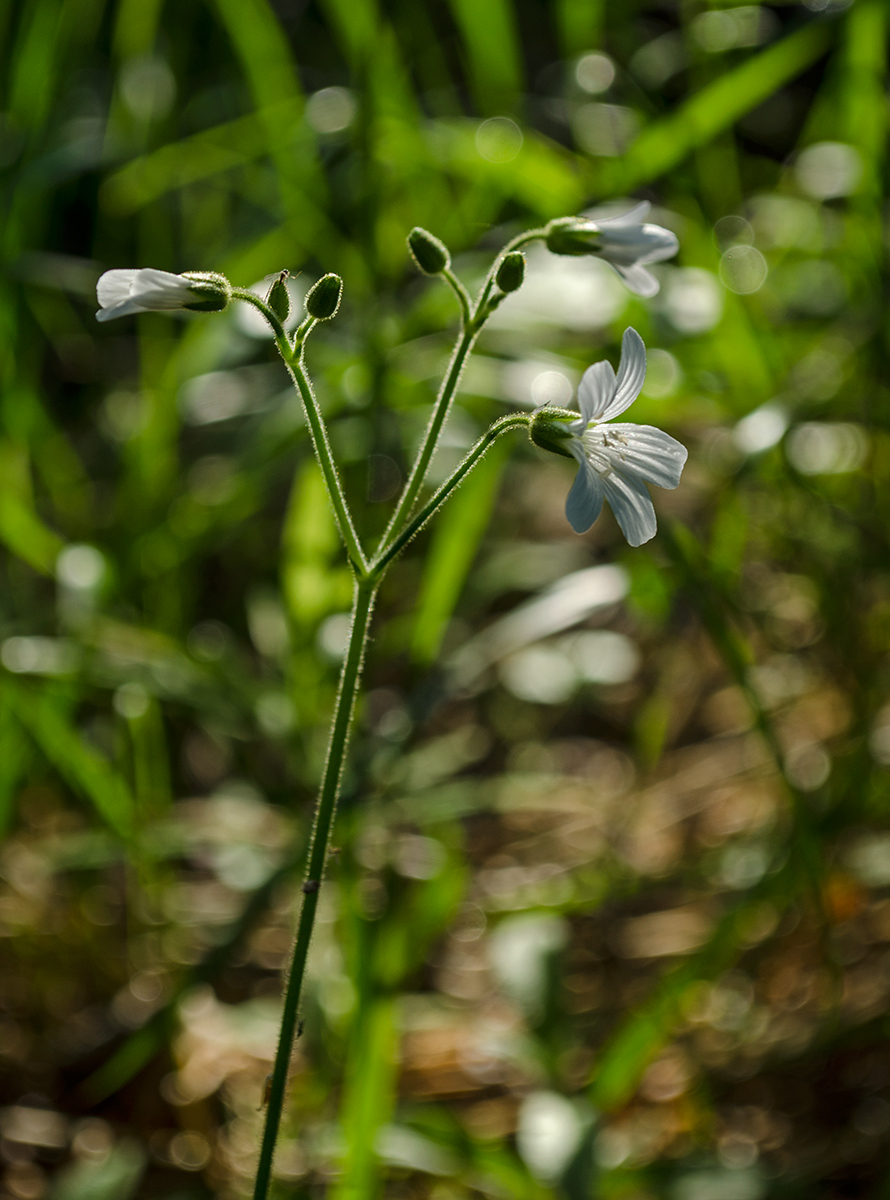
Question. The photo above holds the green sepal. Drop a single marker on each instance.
(213, 291)
(428, 252)
(573, 236)
(548, 429)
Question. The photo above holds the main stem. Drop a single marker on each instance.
(363, 604)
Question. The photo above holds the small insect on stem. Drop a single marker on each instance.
(267, 1091)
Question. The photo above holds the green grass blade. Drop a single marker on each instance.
(493, 51)
(716, 107)
(82, 766)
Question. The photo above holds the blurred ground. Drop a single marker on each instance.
(610, 909)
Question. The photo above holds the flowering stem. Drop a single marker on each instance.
(293, 359)
(474, 317)
(363, 604)
(515, 421)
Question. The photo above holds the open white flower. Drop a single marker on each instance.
(149, 290)
(617, 459)
(625, 241)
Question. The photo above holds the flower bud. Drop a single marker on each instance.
(569, 235)
(511, 272)
(428, 252)
(323, 299)
(549, 429)
(279, 298)
(212, 291)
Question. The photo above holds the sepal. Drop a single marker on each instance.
(212, 291)
(573, 236)
(549, 429)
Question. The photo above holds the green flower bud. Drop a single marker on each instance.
(549, 429)
(279, 298)
(511, 272)
(428, 252)
(323, 299)
(212, 291)
(570, 235)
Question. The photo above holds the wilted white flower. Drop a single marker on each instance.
(624, 241)
(148, 290)
(616, 460)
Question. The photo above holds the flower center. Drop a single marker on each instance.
(602, 446)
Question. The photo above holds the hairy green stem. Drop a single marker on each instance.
(293, 360)
(516, 421)
(363, 604)
(471, 325)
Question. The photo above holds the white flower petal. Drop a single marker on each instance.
(127, 291)
(162, 290)
(124, 309)
(632, 506)
(650, 453)
(640, 281)
(634, 216)
(114, 287)
(585, 499)
(631, 375)
(663, 243)
(596, 391)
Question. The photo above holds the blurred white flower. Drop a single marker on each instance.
(123, 292)
(625, 241)
(618, 459)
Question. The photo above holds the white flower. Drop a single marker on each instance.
(616, 459)
(123, 292)
(624, 241)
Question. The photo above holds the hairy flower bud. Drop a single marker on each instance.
(323, 299)
(511, 272)
(428, 252)
(212, 291)
(279, 298)
(549, 429)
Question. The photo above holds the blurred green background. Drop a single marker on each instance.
(610, 913)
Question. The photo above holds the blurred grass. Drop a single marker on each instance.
(610, 910)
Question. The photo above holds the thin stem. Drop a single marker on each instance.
(363, 604)
(431, 437)
(463, 297)
(293, 360)
(474, 317)
(516, 421)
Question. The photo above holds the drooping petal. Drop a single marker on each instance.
(632, 506)
(123, 309)
(639, 281)
(596, 391)
(631, 375)
(650, 453)
(662, 243)
(585, 499)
